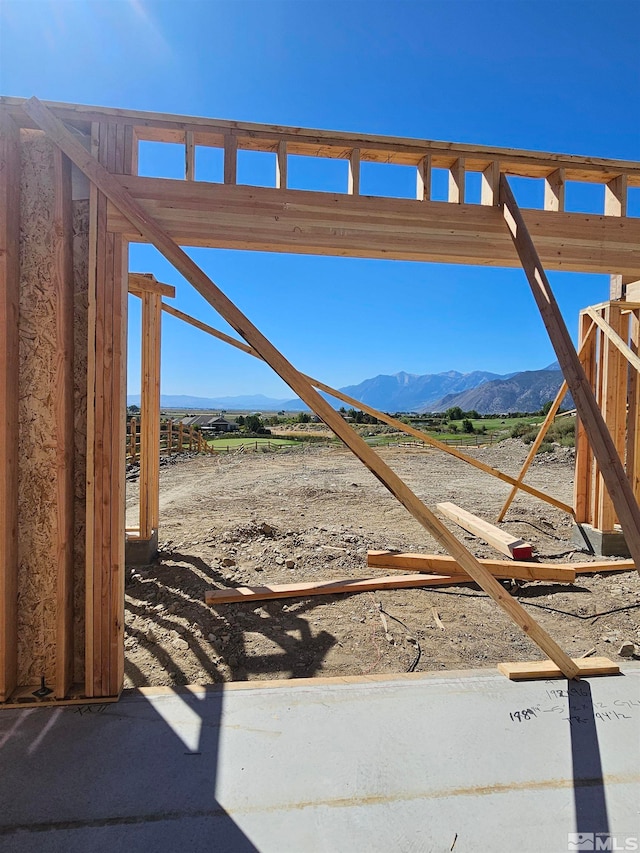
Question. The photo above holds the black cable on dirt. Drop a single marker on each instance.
(526, 603)
(418, 654)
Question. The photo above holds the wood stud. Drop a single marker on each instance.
(554, 191)
(281, 165)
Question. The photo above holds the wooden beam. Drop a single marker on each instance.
(150, 415)
(490, 184)
(353, 183)
(522, 671)
(168, 127)
(199, 213)
(140, 283)
(299, 384)
(597, 568)
(230, 159)
(9, 394)
(456, 182)
(613, 402)
(504, 569)
(499, 539)
(281, 165)
(600, 440)
(615, 196)
(189, 156)
(611, 335)
(554, 191)
(381, 416)
(335, 587)
(544, 428)
(633, 419)
(423, 179)
(584, 460)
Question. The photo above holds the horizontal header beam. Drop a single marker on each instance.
(296, 221)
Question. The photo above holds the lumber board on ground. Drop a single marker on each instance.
(156, 235)
(603, 567)
(9, 395)
(268, 219)
(447, 565)
(501, 540)
(601, 442)
(521, 671)
(334, 587)
(381, 416)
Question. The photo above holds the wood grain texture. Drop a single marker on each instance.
(447, 565)
(501, 540)
(154, 233)
(601, 442)
(9, 394)
(350, 586)
(300, 221)
(523, 671)
(166, 127)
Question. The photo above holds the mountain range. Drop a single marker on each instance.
(487, 393)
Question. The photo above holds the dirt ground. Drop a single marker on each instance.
(311, 514)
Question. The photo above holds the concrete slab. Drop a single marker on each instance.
(442, 762)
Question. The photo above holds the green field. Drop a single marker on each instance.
(250, 443)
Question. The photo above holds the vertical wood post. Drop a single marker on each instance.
(150, 414)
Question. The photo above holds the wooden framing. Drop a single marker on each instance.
(600, 439)
(446, 565)
(124, 207)
(298, 382)
(612, 368)
(150, 291)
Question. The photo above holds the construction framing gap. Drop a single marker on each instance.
(121, 205)
(299, 383)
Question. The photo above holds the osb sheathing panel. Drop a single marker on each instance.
(38, 495)
(80, 316)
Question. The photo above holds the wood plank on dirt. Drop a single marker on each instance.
(335, 587)
(447, 565)
(501, 540)
(520, 671)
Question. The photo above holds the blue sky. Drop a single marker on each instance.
(557, 76)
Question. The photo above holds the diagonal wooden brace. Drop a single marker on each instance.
(151, 231)
(602, 444)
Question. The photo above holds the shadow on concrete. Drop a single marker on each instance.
(139, 775)
(588, 781)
